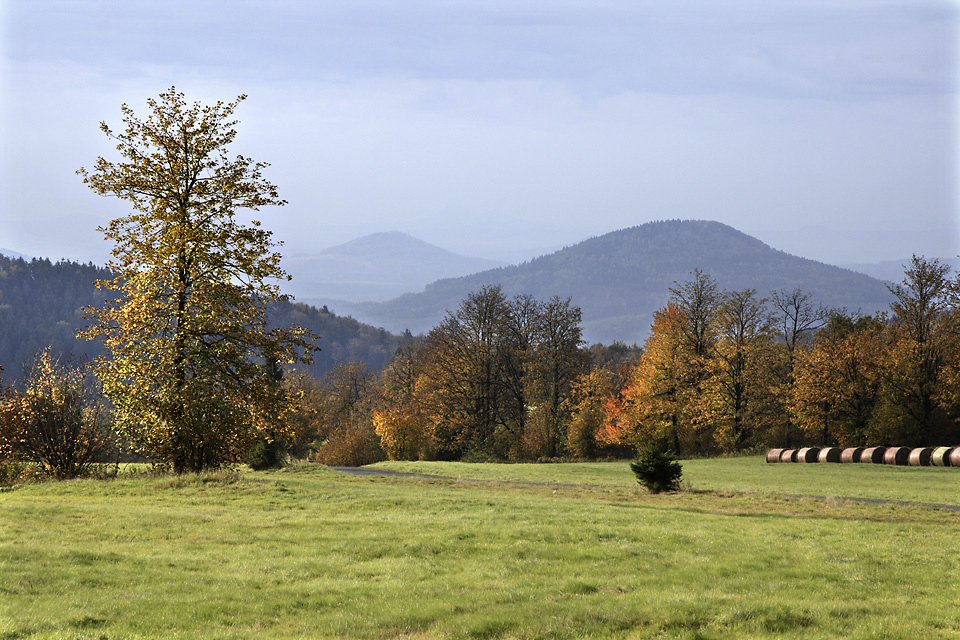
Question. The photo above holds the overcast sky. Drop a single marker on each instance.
(506, 129)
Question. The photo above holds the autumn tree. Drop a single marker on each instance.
(920, 331)
(837, 388)
(797, 319)
(463, 390)
(585, 405)
(345, 416)
(654, 399)
(404, 428)
(738, 382)
(664, 398)
(495, 375)
(305, 427)
(698, 303)
(186, 330)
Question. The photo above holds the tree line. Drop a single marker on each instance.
(193, 374)
(721, 372)
(730, 371)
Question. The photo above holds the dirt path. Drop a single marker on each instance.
(364, 471)
(895, 503)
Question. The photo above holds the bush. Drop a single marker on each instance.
(58, 421)
(582, 432)
(657, 470)
(354, 446)
(265, 454)
(11, 472)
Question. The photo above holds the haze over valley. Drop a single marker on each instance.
(360, 296)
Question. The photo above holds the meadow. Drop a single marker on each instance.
(747, 550)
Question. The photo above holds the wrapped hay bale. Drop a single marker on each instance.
(941, 457)
(788, 455)
(899, 456)
(873, 455)
(774, 455)
(955, 457)
(920, 457)
(851, 454)
(829, 454)
(808, 454)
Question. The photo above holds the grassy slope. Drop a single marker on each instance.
(312, 553)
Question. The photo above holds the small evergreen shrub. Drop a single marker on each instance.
(656, 470)
(265, 454)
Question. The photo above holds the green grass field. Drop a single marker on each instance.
(485, 551)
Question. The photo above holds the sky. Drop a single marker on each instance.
(508, 129)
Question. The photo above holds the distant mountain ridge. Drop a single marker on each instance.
(10, 253)
(619, 279)
(892, 270)
(376, 267)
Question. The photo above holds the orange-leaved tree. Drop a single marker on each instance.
(654, 398)
(405, 430)
(588, 394)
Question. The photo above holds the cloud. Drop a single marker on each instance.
(522, 122)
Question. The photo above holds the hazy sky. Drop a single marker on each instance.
(505, 129)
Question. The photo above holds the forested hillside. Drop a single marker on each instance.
(620, 279)
(40, 306)
(41, 302)
(342, 338)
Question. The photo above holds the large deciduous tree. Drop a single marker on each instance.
(836, 390)
(190, 351)
(739, 383)
(493, 378)
(918, 352)
(797, 319)
(560, 360)
(464, 387)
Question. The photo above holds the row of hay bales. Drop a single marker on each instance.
(903, 456)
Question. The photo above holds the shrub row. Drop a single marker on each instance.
(903, 456)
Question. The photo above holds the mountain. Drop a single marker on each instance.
(376, 267)
(621, 278)
(12, 254)
(41, 305)
(892, 270)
